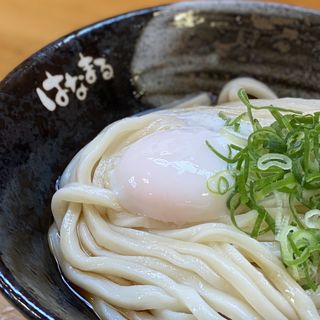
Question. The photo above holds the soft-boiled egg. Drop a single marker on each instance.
(163, 175)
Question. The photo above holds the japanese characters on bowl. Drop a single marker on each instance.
(75, 84)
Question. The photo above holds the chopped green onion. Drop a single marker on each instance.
(221, 182)
(295, 142)
(282, 158)
(274, 160)
(223, 116)
(312, 218)
(300, 252)
(235, 123)
(220, 155)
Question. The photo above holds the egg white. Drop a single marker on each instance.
(163, 174)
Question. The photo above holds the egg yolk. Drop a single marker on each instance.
(163, 176)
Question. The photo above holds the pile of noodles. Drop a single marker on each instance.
(133, 267)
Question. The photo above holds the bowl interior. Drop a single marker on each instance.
(59, 99)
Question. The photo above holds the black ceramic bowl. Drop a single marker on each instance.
(60, 98)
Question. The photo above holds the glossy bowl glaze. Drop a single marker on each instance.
(61, 97)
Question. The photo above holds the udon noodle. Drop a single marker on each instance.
(133, 266)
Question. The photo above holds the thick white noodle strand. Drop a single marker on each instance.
(137, 298)
(138, 268)
(219, 263)
(253, 87)
(270, 265)
(75, 256)
(221, 301)
(109, 239)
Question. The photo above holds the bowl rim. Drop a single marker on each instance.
(9, 286)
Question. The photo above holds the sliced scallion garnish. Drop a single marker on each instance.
(221, 182)
(278, 160)
(281, 158)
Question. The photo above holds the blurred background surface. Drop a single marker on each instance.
(28, 25)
